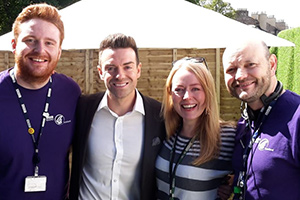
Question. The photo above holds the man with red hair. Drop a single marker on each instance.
(37, 110)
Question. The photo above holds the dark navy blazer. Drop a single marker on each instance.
(153, 137)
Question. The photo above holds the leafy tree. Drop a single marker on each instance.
(9, 10)
(216, 5)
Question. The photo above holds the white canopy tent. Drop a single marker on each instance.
(153, 24)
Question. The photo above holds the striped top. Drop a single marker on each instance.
(194, 182)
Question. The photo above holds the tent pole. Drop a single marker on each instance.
(218, 77)
(174, 54)
(88, 71)
(6, 60)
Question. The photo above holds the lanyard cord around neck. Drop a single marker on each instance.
(172, 172)
(36, 158)
(241, 187)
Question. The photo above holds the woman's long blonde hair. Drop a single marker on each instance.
(207, 129)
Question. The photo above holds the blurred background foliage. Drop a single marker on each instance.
(9, 10)
(288, 67)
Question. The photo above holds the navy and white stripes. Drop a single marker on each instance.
(194, 182)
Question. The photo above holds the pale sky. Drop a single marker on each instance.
(287, 10)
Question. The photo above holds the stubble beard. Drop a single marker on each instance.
(121, 94)
(261, 86)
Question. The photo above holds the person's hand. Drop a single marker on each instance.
(224, 192)
(225, 189)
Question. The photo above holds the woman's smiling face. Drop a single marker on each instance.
(188, 95)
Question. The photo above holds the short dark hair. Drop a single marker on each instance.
(116, 41)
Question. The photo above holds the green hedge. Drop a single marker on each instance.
(288, 68)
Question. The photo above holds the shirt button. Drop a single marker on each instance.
(115, 180)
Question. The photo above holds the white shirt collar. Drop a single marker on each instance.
(138, 105)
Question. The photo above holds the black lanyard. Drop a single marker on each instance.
(172, 156)
(241, 187)
(36, 158)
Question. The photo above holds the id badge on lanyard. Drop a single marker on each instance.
(35, 183)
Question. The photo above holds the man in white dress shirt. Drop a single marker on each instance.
(119, 132)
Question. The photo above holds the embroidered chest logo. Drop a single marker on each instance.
(47, 116)
(59, 119)
(263, 144)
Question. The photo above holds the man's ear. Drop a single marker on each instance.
(273, 63)
(100, 72)
(139, 69)
(13, 45)
(59, 53)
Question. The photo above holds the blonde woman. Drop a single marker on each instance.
(196, 155)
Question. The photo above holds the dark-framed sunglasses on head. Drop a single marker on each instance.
(193, 60)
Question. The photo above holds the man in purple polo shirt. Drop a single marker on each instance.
(266, 157)
(37, 109)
